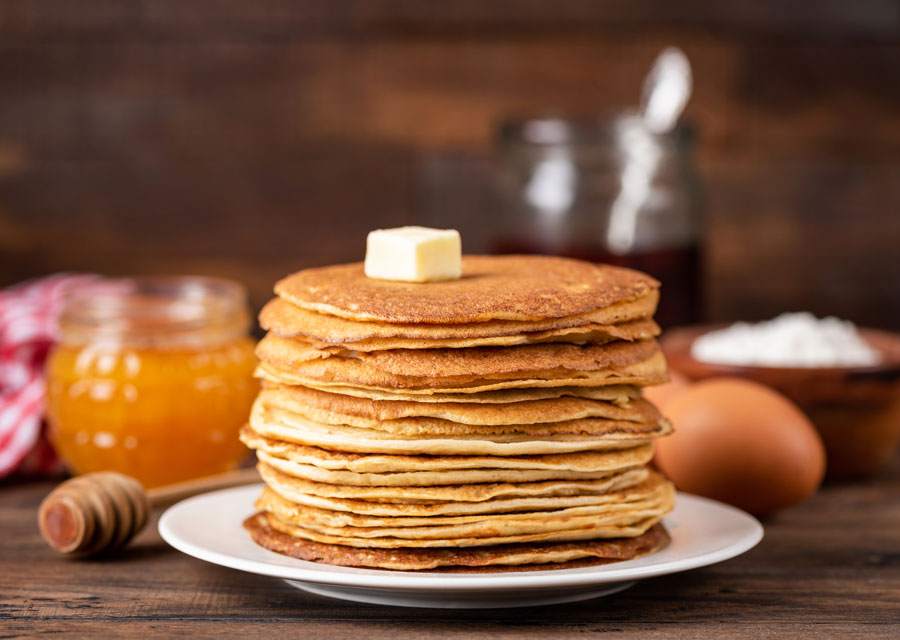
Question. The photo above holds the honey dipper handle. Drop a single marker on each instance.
(172, 493)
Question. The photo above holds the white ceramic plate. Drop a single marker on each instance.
(208, 527)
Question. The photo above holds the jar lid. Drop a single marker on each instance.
(155, 311)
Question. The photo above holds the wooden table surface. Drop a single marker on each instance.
(830, 567)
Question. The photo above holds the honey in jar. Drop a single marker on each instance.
(152, 377)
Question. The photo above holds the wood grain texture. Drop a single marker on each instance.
(251, 139)
(294, 19)
(829, 567)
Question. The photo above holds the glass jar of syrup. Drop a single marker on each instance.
(606, 191)
(152, 377)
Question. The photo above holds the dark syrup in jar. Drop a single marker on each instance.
(678, 268)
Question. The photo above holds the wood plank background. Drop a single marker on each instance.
(249, 139)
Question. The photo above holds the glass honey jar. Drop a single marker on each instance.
(152, 377)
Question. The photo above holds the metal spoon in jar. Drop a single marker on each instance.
(667, 89)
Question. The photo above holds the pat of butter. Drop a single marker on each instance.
(414, 254)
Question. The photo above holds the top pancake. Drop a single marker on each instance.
(289, 321)
(522, 288)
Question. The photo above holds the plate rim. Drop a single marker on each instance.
(318, 573)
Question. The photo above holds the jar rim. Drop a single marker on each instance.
(155, 310)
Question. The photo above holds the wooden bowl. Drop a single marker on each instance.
(855, 409)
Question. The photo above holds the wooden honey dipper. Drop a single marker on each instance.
(100, 512)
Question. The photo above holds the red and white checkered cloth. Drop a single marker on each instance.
(29, 314)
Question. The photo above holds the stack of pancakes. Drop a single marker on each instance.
(495, 421)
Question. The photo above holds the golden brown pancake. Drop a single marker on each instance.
(278, 424)
(597, 530)
(521, 288)
(611, 520)
(633, 422)
(313, 403)
(501, 557)
(477, 361)
(430, 478)
(624, 320)
(486, 423)
(344, 372)
(603, 492)
(415, 427)
(620, 395)
(589, 334)
(384, 463)
(653, 493)
(290, 487)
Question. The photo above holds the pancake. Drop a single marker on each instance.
(520, 288)
(343, 372)
(422, 478)
(487, 423)
(470, 363)
(633, 422)
(288, 321)
(314, 403)
(469, 527)
(617, 394)
(653, 493)
(633, 457)
(289, 487)
(281, 425)
(377, 463)
(430, 427)
(596, 334)
(502, 557)
(605, 491)
(474, 533)
(628, 529)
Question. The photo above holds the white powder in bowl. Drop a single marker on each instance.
(790, 340)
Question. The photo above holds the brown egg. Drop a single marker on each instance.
(742, 443)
